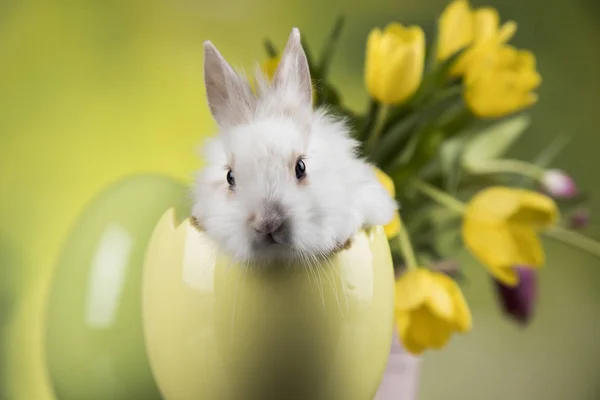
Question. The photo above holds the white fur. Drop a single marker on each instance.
(259, 139)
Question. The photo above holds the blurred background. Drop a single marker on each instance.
(92, 92)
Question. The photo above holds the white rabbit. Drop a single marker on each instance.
(281, 180)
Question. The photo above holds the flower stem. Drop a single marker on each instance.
(508, 166)
(370, 118)
(406, 246)
(438, 195)
(574, 239)
(379, 123)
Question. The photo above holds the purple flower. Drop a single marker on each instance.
(519, 302)
(558, 184)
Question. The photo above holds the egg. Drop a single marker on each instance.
(94, 340)
(218, 330)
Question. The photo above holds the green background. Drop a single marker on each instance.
(94, 91)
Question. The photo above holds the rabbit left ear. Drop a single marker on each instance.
(229, 96)
(293, 72)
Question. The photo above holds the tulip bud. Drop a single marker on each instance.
(579, 219)
(558, 184)
(455, 28)
(518, 302)
(394, 62)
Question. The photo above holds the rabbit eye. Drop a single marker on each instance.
(230, 178)
(300, 169)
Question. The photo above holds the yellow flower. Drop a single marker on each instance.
(429, 308)
(501, 82)
(486, 27)
(455, 29)
(500, 228)
(393, 228)
(475, 30)
(386, 181)
(394, 62)
(270, 66)
(488, 36)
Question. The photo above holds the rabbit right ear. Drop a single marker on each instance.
(230, 97)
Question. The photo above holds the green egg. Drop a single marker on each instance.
(94, 333)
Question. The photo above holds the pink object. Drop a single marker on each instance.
(558, 184)
(401, 377)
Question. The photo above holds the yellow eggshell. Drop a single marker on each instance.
(217, 330)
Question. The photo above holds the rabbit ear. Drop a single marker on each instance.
(292, 72)
(230, 97)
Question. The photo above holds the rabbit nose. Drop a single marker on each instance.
(272, 224)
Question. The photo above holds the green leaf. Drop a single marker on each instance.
(327, 94)
(431, 57)
(547, 155)
(270, 48)
(450, 155)
(494, 141)
(435, 81)
(369, 119)
(329, 47)
(396, 138)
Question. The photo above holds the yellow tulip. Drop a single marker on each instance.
(455, 29)
(500, 228)
(501, 82)
(270, 66)
(386, 181)
(486, 26)
(393, 228)
(429, 308)
(488, 35)
(475, 30)
(394, 62)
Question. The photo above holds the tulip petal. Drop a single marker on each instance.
(499, 78)
(440, 334)
(439, 300)
(455, 28)
(529, 247)
(506, 32)
(412, 345)
(535, 210)
(386, 181)
(393, 228)
(495, 203)
(505, 275)
(412, 289)
(403, 322)
(491, 243)
(462, 314)
(486, 22)
(422, 327)
(500, 226)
